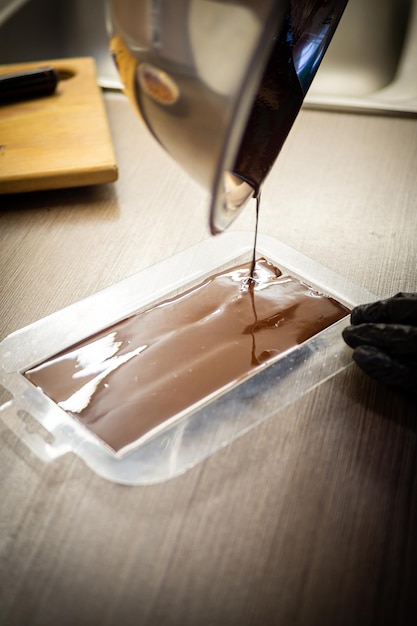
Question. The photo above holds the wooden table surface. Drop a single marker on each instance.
(309, 519)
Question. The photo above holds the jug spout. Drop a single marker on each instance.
(292, 64)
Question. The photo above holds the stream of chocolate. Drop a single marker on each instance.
(253, 264)
(128, 379)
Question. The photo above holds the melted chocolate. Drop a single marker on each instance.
(135, 375)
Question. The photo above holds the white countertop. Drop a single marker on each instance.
(308, 519)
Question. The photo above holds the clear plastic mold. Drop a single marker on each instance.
(193, 435)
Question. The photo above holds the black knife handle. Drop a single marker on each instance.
(28, 84)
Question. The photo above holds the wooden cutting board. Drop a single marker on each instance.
(62, 140)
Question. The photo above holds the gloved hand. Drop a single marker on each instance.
(383, 335)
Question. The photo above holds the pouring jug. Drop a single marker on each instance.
(219, 83)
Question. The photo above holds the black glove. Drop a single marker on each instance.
(383, 335)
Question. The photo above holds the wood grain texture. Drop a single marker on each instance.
(58, 141)
(311, 518)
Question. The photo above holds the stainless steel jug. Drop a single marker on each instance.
(220, 83)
